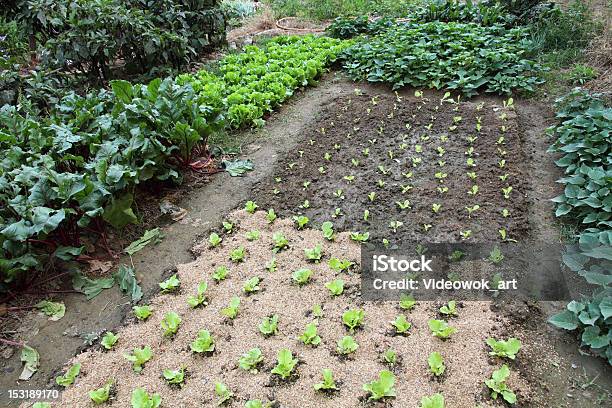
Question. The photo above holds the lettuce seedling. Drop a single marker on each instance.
(269, 325)
(441, 329)
(285, 364)
(171, 323)
(200, 297)
(384, 387)
(310, 335)
(170, 285)
(220, 273)
(496, 256)
(407, 302)
(449, 309)
(474, 190)
(313, 254)
(347, 345)
(395, 225)
(504, 349)
(372, 196)
(280, 242)
(328, 230)
(141, 399)
(204, 343)
(254, 404)
(271, 216)
(401, 324)
(142, 312)
(237, 254)
(317, 311)
(68, 378)
(353, 318)
(174, 377)
(139, 357)
(497, 384)
(436, 364)
(506, 191)
(250, 360)
(340, 265)
(301, 221)
(223, 392)
(228, 227)
(109, 340)
(328, 383)
(360, 236)
(390, 357)
(465, 234)
(101, 395)
(436, 208)
(435, 401)
(336, 287)
(252, 235)
(472, 210)
(251, 285)
(403, 204)
(250, 207)
(271, 265)
(214, 240)
(232, 310)
(302, 276)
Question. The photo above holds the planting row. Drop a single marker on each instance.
(78, 168)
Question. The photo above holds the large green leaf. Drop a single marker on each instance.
(119, 212)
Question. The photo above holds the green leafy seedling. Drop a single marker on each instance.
(214, 240)
(269, 325)
(496, 256)
(353, 318)
(174, 377)
(250, 207)
(310, 336)
(347, 345)
(389, 356)
(440, 329)
(285, 364)
(142, 312)
(401, 324)
(271, 216)
(251, 285)
(220, 273)
(223, 393)
(69, 377)
(171, 323)
(232, 310)
(250, 360)
(170, 285)
(360, 236)
(328, 383)
(301, 276)
(101, 395)
(407, 302)
(340, 265)
(328, 230)
(280, 241)
(204, 343)
(505, 349)
(252, 235)
(313, 254)
(384, 387)
(237, 254)
(109, 340)
(271, 265)
(497, 385)
(436, 364)
(141, 399)
(336, 287)
(435, 401)
(301, 221)
(139, 357)
(200, 298)
(449, 309)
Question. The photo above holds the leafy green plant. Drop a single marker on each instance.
(434, 401)
(353, 318)
(407, 302)
(170, 285)
(141, 399)
(251, 285)
(347, 345)
(497, 385)
(449, 309)
(328, 383)
(436, 364)
(360, 236)
(170, 323)
(109, 340)
(440, 329)
(214, 240)
(313, 254)
(250, 207)
(223, 393)
(237, 254)
(280, 242)
(252, 235)
(200, 297)
(384, 387)
(328, 231)
(401, 324)
(336, 287)
(301, 221)
(220, 273)
(250, 360)
(285, 364)
(269, 325)
(340, 265)
(389, 356)
(301, 276)
(204, 343)
(101, 395)
(139, 357)
(232, 310)
(69, 377)
(310, 336)
(271, 216)
(504, 348)
(142, 312)
(174, 377)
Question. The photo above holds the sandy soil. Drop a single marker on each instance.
(465, 354)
